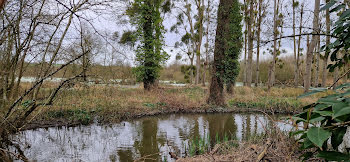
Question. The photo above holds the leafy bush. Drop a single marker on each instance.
(325, 120)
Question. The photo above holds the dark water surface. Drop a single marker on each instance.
(150, 137)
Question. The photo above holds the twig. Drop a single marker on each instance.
(146, 157)
(39, 82)
(339, 79)
(14, 154)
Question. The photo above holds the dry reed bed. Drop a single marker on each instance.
(83, 104)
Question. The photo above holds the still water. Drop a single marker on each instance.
(151, 138)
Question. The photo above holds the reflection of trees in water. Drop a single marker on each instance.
(124, 155)
(221, 125)
(148, 146)
(255, 131)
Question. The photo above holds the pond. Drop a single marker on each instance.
(151, 138)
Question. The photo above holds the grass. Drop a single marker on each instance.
(113, 104)
(273, 144)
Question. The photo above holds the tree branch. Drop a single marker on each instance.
(339, 79)
(41, 81)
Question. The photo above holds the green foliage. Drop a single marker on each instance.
(187, 70)
(146, 16)
(129, 38)
(199, 146)
(341, 32)
(80, 115)
(230, 63)
(328, 118)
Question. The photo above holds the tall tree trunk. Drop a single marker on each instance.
(245, 44)
(191, 70)
(328, 41)
(207, 46)
(296, 73)
(250, 44)
(307, 80)
(272, 67)
(216, 96)
(299, 47)
(317, 69)
(258, 44)
(148, 45)
(199, 43)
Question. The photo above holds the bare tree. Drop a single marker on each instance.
(328, 41)
(309, 54)
(250, 43)
(271, 78)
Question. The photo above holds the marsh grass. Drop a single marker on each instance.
(113, 104)
(278, 145)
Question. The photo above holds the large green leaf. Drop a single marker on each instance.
(321, 106)
(324, 113)
(318, 135)
(340, 109)
(345, 14)
(314, 91)
(328, 5)
(337, 8)
(337, 137)
(343, 86)
(317, 119)
(332, 99)
(333, 156)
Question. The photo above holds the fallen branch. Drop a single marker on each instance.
(173, 155)
(263, 154)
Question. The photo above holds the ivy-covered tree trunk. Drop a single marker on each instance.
(216, 95)
(148, 79)
(145, 14)
(228, 45)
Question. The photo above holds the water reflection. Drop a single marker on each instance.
(149, 139)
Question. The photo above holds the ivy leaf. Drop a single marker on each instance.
(333, 156)
(318, 136)
(337, 137)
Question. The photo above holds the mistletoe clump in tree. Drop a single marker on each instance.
(146, 16)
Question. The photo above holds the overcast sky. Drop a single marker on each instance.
(109, 22)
